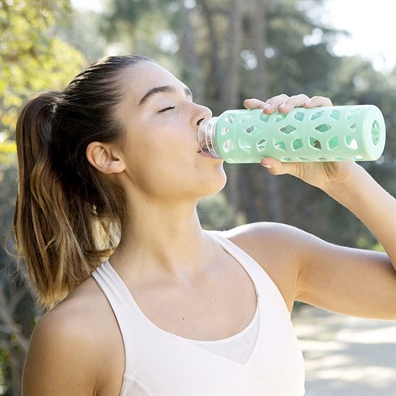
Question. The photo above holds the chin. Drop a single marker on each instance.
(215, 186)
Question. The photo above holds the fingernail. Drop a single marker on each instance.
(267, 166)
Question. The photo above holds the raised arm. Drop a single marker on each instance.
(346, 280)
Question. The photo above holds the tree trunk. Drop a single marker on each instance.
(216, 66)
(230, 90)
(192, 72)
(271, 208)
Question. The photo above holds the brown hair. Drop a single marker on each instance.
(67, 218)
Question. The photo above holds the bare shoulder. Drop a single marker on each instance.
(71, 344)
(267, 237)
(278, 248)
(259, 229)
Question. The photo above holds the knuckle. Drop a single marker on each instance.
(298, 98)
(302, 96)
(280, 98)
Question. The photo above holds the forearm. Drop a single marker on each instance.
(374, 206)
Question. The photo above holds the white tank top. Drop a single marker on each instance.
(161, 363)
(238, 347)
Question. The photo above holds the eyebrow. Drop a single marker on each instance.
(166, 89)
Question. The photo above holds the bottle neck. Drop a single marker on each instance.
(206, 136)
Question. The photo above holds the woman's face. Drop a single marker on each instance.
(160, 151)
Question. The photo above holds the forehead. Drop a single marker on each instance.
(145, 76)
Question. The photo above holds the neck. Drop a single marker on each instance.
(161, 238)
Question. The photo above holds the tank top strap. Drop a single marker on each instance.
(120, 300)
(265, 286)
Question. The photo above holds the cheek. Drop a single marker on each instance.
(155, 169)
(166, 165)
(140, 150)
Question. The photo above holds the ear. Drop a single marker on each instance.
(104, 158)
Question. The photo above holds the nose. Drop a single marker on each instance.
(201, 113)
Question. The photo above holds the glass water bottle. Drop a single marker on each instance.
(338, 133)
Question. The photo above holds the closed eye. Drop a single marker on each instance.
(166, 109)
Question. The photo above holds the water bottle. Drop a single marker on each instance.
(321, 134)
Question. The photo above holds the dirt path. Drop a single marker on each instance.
(346, 356)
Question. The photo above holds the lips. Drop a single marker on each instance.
(204, 149)
(202, 143)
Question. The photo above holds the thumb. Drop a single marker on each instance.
(276, 167)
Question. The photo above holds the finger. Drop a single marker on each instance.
(276, 167)
(317, 101)
(273, 103)
(292, 102)
(254, 103)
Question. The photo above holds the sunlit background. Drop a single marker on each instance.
(225, 50)
(372, 29)
(370, 25)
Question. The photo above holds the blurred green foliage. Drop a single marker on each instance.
(33, 59)
(215, 213)
(218, 49)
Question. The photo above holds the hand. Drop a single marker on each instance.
(318, 174)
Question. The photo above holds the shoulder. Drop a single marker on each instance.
(77, 314)
(278, 248)
(266, 237)
(69, 345)
(75, 318)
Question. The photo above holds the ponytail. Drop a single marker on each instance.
(67, 216)
(55, 231)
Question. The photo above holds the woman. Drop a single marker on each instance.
(175, 310)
